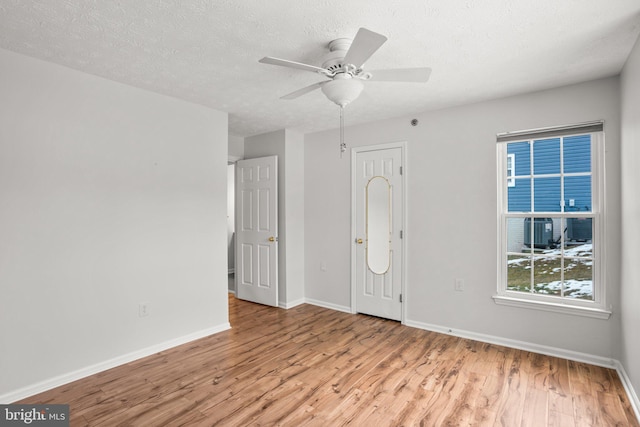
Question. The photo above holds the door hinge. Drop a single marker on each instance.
(400, 170)
(401, 234)
(400, 297)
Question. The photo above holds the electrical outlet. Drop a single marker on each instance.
(323, 265)
(143, 309)
(459, 285)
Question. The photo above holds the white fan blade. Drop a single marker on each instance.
(291, 64)
(418, 75)
(363, 46)
(300, 92)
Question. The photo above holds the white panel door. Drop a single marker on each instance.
(257, 230)
(378, 226)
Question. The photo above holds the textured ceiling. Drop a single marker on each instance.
(207, 51)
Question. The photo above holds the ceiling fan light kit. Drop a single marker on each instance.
(343, 66)
(342, 89)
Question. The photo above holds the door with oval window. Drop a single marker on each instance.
(377, 223)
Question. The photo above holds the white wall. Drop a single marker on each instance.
(294, 216)
(289, 147)
(452, 227)
(109, 196)
(236, 146)
(630, 171)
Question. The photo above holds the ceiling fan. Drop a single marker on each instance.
(343, 66)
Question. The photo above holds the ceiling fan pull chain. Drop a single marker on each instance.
(343, 145)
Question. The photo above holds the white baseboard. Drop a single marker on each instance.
(107, 364)
(542, 349)
(631, 393)
(329, 305)
(520, 345)
(288, 305)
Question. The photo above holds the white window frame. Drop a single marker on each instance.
(596, 308)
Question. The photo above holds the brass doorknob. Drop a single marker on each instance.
(272, 239)
(359, 241)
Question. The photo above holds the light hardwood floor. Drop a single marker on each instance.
(317, 367)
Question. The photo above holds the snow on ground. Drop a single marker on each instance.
(585, 250)
(572, 288)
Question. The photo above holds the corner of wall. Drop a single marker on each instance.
(630, 209)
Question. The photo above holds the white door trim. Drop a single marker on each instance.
(354, 151)
(233, 159)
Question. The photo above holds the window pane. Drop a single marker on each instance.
(519, 195)
(579, 281)
(515, 235)
(547, 273)
(547, 194)
(578, 278)
(546, 156)
(522, 156)
(577, 194)
(577, 154)
(519, 273)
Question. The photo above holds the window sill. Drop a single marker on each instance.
(596, 313)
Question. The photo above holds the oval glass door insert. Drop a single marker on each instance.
(378, 224)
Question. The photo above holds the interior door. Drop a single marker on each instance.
(378, 226)
(257, 230)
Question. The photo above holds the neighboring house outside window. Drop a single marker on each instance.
(550, 217)
(511, 161)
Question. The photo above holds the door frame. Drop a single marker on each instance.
(354, 152)
(232, 160)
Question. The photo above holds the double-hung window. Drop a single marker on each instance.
(550, 209)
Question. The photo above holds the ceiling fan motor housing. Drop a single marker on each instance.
(337, 51)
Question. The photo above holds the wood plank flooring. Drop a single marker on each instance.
(310, 366)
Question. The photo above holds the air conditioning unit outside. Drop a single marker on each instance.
(579, 229)
(542, 233)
